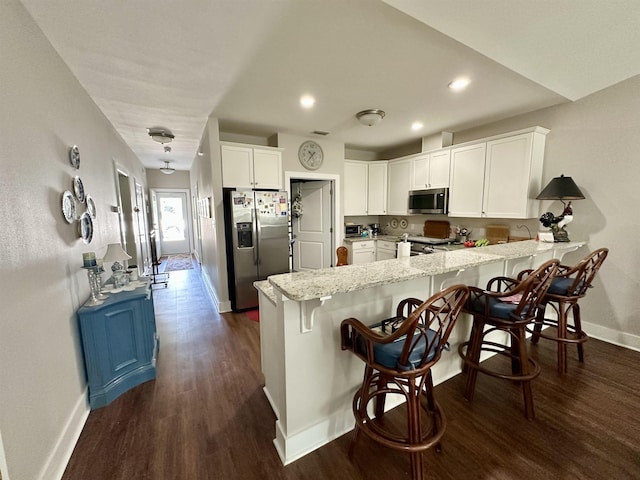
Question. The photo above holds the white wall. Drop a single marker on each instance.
(596, 141)
(45, 111)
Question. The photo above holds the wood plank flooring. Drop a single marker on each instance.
(206, 417)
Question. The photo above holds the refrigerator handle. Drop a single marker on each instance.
(254, 232)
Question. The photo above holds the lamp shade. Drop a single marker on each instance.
(561, 188)
(115, 253)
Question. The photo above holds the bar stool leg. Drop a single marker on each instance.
(523, 357)
(578, 325)
(473, 357)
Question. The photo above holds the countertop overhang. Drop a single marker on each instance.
(309, 285)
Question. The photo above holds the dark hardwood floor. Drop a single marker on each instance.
(206, 417)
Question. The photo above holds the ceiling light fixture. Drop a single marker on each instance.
(167, 169)
(459, 84)
(307, 101)
(167, 149)
(160, 135)
(416, 125)
(370, 117)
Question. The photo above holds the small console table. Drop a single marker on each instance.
(120, 343)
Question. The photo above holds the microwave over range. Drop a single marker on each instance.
(434, 200)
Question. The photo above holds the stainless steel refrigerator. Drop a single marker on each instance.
(257, 230)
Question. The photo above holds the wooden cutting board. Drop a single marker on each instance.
(436, 229)
(497, 234)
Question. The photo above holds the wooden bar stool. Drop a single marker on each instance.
(399, 354)
(342, 253)
(506, 305)
(569, 285)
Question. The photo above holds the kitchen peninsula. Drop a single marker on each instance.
(309, 381)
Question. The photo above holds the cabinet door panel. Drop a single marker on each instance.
(377, 189)
(267, 169)
(420, 172)
(355, 188)
(237, 166)
(507, 177)
(467, 181)
(439, 168)
(399, 181)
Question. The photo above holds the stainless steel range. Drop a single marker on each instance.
(425, 245)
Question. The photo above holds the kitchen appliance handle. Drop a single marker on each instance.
(254, 234)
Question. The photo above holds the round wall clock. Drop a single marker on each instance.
(310, 155)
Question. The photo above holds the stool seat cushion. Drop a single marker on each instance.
(497, 308)
(561, 285)
(388, 354)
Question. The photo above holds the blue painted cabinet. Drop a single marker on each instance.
(120, 344)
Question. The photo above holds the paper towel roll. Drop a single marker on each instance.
(404, 249)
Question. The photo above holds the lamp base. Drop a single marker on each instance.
(560, 236)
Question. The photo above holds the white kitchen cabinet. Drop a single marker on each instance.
(377, 188)
(513, 173)
(399, 173)
(356, 182)
(431, 170)
(365, 188)
(385, 250)
(361, 252)
(498, 177)
(467, 180)
(246, 166)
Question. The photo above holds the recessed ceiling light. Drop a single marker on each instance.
(416, 125)
(307, 101)
(459, 83)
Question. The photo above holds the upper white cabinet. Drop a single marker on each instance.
(377, 189)
(365, 188)
(399, 182)
(246, 166)
(356, 182)
(498, 177)
(467, 180)
(431, 170)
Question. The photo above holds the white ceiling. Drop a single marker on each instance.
(160, 63)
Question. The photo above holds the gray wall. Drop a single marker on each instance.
(43, 399)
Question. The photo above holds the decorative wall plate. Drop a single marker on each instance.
(91, 207)
(404, 223)
(74, 157)
(78, 188)
(393, 223)
(68, 206)
(85, 227)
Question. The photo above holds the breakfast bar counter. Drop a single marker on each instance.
(309, 381)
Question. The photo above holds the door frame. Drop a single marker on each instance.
(189, 219)
(335, 199)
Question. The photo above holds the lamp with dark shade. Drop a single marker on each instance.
(560, 188)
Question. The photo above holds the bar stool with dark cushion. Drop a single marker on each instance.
(398, 355)
(569, 285)
(506, 305)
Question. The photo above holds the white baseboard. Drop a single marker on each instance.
(610, 335)
(221, 307)
(55, 465)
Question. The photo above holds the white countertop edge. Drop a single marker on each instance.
(309, 285)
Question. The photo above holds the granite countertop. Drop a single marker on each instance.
(388, 238)
(308, 285)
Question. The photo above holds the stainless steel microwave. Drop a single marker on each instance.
(434, 200)
(351, 230)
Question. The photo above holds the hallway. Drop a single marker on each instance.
(206, 417)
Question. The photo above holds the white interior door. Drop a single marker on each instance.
(173, 220)
(312, 248)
